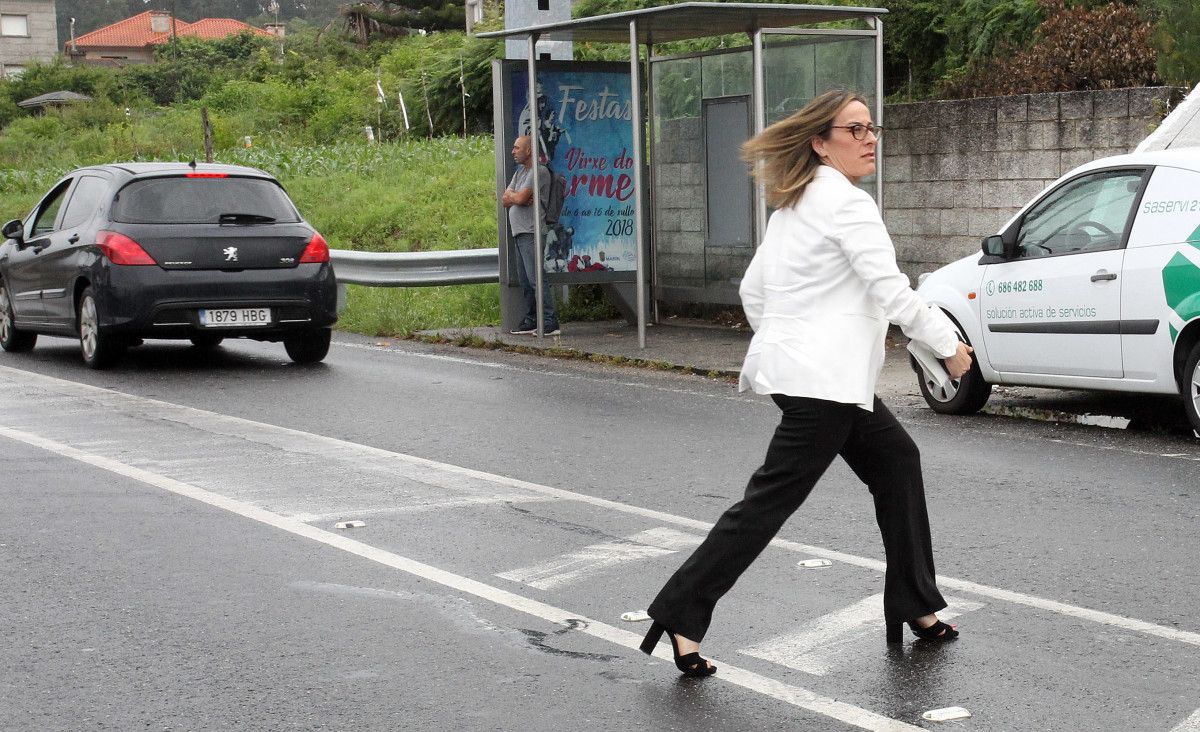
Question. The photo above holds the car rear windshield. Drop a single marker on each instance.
(182, 200)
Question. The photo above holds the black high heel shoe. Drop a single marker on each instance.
(693, 664)
(939, 631)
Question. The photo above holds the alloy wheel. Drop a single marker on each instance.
(1194, 390)
(88, 328)
(6, 320)
(940, 393)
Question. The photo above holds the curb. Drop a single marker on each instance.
(470, 340)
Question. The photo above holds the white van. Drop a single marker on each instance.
(1095, 284)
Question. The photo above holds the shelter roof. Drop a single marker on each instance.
(683, 21)
(58, 97)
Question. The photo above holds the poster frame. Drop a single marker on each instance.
(505, 134)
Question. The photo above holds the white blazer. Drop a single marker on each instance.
(819, 294)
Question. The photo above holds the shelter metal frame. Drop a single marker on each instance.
(679, 22)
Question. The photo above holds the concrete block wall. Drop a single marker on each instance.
(679, 199)
(956, 171)
(42, 42)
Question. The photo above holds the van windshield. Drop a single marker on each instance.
(181, 200)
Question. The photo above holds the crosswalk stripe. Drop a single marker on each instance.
(1191, 724)
(597, 557)
(815, 648)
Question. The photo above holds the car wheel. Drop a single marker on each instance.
(12, 339)
(99, 349)
(308, 347)
(965, 395)
(206, 342)
(1191, 387)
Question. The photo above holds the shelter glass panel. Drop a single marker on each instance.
(797, 67)
(727, 74)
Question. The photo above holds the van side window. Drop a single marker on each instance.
(1088, 214)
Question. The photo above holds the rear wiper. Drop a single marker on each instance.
(244, 218)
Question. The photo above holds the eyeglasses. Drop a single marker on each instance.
(859, 132)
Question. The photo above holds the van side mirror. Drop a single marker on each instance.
(993, 246)
(14, 230)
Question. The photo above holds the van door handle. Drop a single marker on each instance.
(1102, 275)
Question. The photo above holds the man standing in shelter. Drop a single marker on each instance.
(518, 199)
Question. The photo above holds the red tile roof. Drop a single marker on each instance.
(135, 32)
(214, 28)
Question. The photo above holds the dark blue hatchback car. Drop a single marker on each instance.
(115, 254)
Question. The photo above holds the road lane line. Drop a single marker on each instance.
(571, 566)
(794, 695)
(815, 648)
(289, 439)
(1191, 724)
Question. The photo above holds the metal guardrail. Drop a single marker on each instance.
(416, 269)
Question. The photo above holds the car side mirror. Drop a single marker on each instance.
(993, 246)
(14, 230)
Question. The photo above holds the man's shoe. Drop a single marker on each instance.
(550, 330)
(524, 329)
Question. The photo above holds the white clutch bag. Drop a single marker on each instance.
(929, 363)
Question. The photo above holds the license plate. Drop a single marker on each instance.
(234, 317)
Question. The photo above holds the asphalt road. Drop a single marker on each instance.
(169, 550)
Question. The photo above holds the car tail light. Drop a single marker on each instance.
(120, 249)
(206, 175)
(317, 250)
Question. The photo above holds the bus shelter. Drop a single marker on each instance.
(646, 156)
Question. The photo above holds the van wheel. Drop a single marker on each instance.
(1191, 388)
(308, 347)
(965, 395)
(99, 349)
(12, 339)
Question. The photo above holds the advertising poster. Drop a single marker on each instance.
(582, 117)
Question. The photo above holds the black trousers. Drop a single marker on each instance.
(810, 435)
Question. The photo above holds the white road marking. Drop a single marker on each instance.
(597, 557)
(428, 505)
(1191, 724)
(1132, 451)
(946, 714)
(814, 649)
(794, 695)
(454, 477)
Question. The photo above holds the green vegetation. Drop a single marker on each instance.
(304, 113)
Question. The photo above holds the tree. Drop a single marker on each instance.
(1075, 48)
(365, 20)
(1177, 37)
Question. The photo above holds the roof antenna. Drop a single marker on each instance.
(193, 164)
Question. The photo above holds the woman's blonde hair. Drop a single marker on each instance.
(782, 156)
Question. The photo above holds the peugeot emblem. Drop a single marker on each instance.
(230, 254)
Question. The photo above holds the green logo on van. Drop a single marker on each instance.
(1181, 284)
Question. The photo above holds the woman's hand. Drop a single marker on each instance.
(960, 362)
